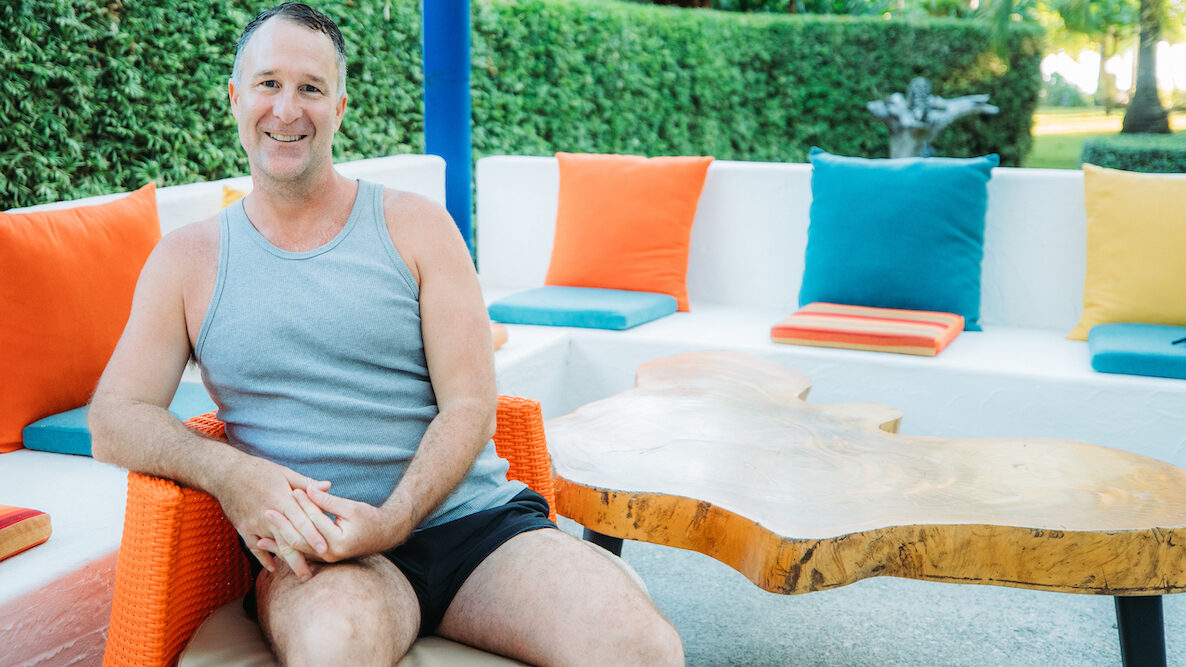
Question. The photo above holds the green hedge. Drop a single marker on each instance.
(1151, 153)
(101, 97)
(589, 75)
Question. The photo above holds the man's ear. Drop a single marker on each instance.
(233, 95)
(341, 111)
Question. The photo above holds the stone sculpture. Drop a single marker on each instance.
(915, 119)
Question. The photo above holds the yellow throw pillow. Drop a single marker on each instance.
(231, 195)
(1136, 249)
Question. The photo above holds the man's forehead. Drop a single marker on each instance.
(278, 39)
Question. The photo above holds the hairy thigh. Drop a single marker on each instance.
(545, 597)
(363, 611)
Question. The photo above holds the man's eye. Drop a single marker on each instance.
(270, 84)
(312, 89)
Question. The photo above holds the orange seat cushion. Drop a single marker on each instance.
(917, 332)
(625, 222)
(66, 283)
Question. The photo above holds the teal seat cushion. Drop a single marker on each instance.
(67, 432)
(905, 233)
(588, 307)
(1138, 349)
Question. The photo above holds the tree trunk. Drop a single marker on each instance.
(1145, 113)
(1105, 91)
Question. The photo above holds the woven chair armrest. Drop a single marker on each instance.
(519, 438)
(179, 561)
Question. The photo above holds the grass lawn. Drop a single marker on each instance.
(1059, 133)
(1058, 151)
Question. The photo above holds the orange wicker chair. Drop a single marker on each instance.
(180, 559)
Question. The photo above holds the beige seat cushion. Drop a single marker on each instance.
(229, 639)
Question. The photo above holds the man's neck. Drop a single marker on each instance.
(300, 215)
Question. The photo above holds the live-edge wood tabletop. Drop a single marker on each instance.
(718, 452)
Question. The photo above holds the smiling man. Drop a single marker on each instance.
(340, 329)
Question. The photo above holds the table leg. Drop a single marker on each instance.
(610, 544)
(1142, 630)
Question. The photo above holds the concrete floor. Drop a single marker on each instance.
(725, 620)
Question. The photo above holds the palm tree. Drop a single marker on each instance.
(1106, 22)
(1145, 113)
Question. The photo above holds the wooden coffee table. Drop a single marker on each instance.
(717, 452)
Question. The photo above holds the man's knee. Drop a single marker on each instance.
(347, 614)
(335, 639)
(654, 642)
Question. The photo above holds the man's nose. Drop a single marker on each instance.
(285, 107)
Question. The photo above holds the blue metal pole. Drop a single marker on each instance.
(445, 26)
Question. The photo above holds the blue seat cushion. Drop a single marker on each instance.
(587, 307)
(67, 432)
(1138, 349)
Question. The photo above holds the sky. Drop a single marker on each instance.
(1082, 69)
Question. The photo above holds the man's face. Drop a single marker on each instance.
(286, 102)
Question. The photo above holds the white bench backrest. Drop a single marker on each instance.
(750, 235)
(180, 205)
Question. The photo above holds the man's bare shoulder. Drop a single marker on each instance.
(413, 213)
(182, 255)
(189, 246)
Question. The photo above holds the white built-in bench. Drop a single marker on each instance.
(1020, 376)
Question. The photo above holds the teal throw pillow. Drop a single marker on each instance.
(1138, 349)
(67, 432)
(588, 307)
(903, 233)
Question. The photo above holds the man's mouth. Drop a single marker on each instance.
(286, 137)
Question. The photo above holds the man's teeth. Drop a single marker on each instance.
(284, 137)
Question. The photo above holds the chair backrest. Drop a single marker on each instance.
(180, 560)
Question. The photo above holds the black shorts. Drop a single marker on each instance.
(438, 560)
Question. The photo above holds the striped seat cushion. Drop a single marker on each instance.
(863, 328)
(21, 529)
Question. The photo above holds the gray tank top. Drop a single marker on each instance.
(316, 361)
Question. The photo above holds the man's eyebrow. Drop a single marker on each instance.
(315, 78)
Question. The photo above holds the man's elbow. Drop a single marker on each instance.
(99, 422)
(491, 426)
(488, 414)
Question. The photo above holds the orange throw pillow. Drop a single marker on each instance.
(625, 222)
(66, 283)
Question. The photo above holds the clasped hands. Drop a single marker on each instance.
(289, 520)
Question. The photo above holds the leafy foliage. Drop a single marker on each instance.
(102, 97)
(1156, 153)
(606, 76)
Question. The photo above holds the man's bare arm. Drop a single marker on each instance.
(456, 331)
(460, 357)
(131, 426)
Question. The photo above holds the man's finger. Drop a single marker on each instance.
(294, 559)
(298, 481)
(297, 529)
(324, 525)
(288, 534)
(336, 505)
(264, 558)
